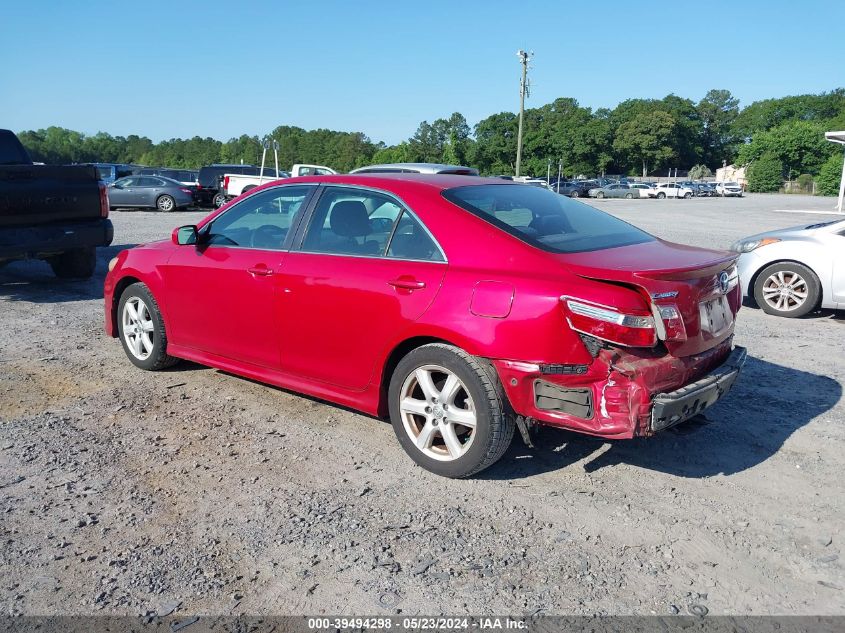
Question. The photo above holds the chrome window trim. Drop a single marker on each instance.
(405, 209)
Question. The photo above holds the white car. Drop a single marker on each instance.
(237, 184)
(645, 190)
(672, 190)
(729, 189)
(793, 271)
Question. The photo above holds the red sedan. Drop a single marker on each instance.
(461, 308)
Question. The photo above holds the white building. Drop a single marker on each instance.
(732, 173)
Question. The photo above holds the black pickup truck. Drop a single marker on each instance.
(58, 214)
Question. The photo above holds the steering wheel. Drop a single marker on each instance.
(267, 236)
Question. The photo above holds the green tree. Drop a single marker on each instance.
(830, 175)
(718, 111)
(799, 145)
(765, 175)
(646, 139)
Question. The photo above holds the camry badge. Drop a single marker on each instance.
(665, 295)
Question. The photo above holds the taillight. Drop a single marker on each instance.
(188, 191)
(608, 324)
(104, 201)
(670, 324)
(226, 183)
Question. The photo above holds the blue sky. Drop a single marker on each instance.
(219, 69)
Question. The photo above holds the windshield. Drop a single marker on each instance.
(104, 172)
(546, 219)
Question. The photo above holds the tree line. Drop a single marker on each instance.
(780, 138)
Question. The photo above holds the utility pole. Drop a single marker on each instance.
(549, 173)
(559, 167)
(523, 92)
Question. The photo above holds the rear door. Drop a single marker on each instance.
(366, 269)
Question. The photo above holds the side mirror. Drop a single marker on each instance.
(184, 235)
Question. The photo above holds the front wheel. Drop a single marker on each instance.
(661, 196)
(600, 194)
(141, 329)
(574, 194)
(629, 196)
(448, 411)
(165, 203)
(787, 289)
(687, 195)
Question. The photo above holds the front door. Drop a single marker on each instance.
(122, 192)
(221, 293)
(366, 270)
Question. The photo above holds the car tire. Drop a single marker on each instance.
(248, 188)
(219, 200)
(600, 194)
(792, 277)
(687, 195)
(166, 203)
(148, 353)
(629, 196)
(574, 194)
(428, 424)
(78, 263)
(661, 195)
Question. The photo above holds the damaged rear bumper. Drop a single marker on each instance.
(676, 406)
(623, 393)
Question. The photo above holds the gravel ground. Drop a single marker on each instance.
(125, 492)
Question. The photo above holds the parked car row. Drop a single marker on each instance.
(604, 188)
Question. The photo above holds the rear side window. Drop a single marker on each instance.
(544, 219)
(411, 241)
(351, 222)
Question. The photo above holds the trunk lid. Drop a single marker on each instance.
(669, 274)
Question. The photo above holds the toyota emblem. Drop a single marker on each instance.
(723, 282)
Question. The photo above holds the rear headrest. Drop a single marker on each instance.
(349, 219)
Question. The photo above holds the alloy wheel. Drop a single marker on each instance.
(785, 290)
(438, 413)
(138, 328)
(165, 203)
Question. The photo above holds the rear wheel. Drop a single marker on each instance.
(661, 195)
(219, 200)
(629, 196)
(687, 195)
(165, 203)
(448, 411)
(574, 194)
(787, 289)
(78, 263)
(600, 194)
(141, 329)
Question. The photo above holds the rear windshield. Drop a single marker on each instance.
(546, 219)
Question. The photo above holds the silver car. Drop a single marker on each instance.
(793, 271)
(416, 168)
(156, 192)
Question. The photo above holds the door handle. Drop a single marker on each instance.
(407, 284)
(262, 271)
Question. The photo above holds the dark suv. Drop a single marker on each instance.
(209, 182)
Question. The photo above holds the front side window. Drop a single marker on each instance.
(264, 220)
(544, 219)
